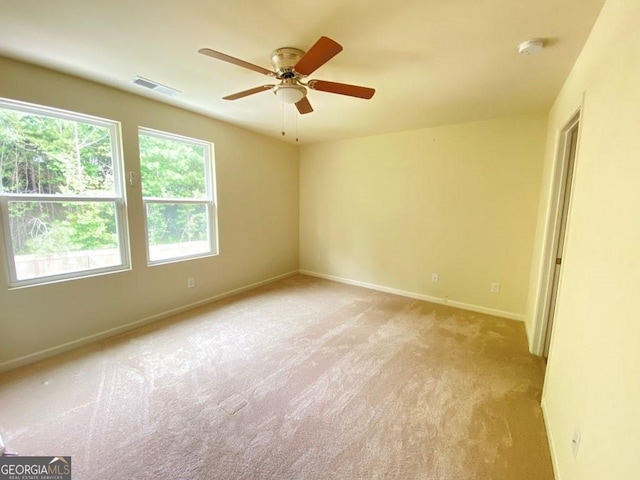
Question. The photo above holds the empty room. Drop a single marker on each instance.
(351, 240)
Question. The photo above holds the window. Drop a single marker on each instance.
(177, 176)
(61, 196)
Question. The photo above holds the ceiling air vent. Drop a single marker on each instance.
(155, 86)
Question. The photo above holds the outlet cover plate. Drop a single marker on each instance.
(575, 442)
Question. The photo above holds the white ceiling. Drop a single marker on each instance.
(432, 62)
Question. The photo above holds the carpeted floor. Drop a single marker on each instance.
(300, 379)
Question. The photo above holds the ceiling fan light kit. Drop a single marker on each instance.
(289, 93)
(290, 67)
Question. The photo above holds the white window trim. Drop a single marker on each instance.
(118, 198)
(209, 200)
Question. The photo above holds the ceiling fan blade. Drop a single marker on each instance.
(341, 88)
(321, 52)
(246, 93)
(304, 106)
(236, 61)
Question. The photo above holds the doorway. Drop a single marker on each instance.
(558, 224)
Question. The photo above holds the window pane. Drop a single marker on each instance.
(170, 168)
(52, 238)
(50, 155)
(177, 230)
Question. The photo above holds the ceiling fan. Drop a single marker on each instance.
(290, 67)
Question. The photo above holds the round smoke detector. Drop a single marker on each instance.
(531, 47)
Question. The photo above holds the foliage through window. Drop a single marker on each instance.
(61, 196)
(178, 194)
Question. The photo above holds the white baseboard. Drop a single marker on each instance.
(419, 296)
(552, 448)
(65, 347)
(50, 352)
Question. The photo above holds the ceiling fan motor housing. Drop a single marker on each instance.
(284, 59)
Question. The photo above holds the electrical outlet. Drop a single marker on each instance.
(435, 278)
(495, 287)
(191, 282)
(575, 442)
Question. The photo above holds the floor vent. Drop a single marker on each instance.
(233, 404)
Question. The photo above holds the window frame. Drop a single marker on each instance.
(209, 200)
(117, 198)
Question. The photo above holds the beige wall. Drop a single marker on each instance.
(459, 200)
(593, 374)
(257, 186)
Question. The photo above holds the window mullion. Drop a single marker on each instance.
(175, 200)
(26, 197)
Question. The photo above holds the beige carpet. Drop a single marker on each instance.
(300, 379)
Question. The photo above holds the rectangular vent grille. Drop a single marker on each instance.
(155, 86)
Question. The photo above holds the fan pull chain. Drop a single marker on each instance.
(283, 117)
(297, 126)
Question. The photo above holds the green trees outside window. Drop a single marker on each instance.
(62, 201)
(177, 189)
(60, 197)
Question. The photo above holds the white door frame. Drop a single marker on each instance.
(559, 178)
